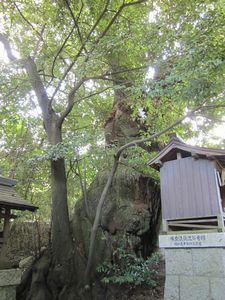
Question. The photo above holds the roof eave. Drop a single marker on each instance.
(7, 181)
(19, 206)
(207, 152)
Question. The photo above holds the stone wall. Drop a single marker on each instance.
(195, 274)
(9, 279)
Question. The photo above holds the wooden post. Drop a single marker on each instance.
(220, 221)
(1, 234)
(179, 156)
(165, 226)
(6, 227)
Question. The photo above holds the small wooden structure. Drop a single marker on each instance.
(192, 181)
(9, 201)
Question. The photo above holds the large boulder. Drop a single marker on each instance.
(130, 215)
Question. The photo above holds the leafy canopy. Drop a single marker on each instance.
(74, 41)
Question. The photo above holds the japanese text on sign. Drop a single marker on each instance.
(188, 240)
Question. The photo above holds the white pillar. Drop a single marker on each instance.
(195, 266)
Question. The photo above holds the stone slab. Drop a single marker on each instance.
(201, 240)
(195, 273)
(172, 288)
(179, 262)
(10, 277)
(194, 288)
(208, 262)
(217, 288)
(8, 293)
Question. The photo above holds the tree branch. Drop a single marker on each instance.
(60, 49)
(80, 50)
(96, 42)
(71, 96)
(94, 94)
(81, 9)
(75, 23)
(39, 40)
(83, 187)
(7, 47)
(124, 5)
(38, 86)
(72, 102)
(212, 106)
(27, 21)
(105, 76)
(34, 78)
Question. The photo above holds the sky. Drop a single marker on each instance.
(3, 56)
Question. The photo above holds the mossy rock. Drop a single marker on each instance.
(132, 209)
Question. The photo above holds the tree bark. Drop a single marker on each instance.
(61, 237)
(120, 129)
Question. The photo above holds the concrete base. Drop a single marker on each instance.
(195, 273)
(9, 279)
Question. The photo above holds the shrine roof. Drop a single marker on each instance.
(177, 145)
(9, 198)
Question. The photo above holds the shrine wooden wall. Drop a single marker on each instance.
(189, 188)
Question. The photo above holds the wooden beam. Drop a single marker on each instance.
(179, 156)
(7, 181)
(193, 218)
(194, 221)
(159, 163)
(191, 231)
(6, 227)
(193, 225)
(165, 226)
(194, 155)
(210, 157)
(3, 215)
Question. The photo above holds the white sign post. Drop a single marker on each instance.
(195, 266)
(201, 240)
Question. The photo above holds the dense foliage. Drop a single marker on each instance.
(63, 71)
(182, 41)
(127, 268)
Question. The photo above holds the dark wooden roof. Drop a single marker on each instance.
(176, 145)
(9, 198)
(7, 181)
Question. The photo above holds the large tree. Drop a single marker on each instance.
(74, 60)
(60, 49)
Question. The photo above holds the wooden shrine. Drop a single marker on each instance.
(192, 181)
(9, 201)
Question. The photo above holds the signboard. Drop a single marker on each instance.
(200, 240)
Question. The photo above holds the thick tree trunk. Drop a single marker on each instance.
(54, 274)
(129, 212)
(141, 208)
(61, 237)
(120, 127)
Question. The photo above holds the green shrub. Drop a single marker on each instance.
(127, 268)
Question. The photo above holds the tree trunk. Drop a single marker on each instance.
(61, 237)
(120, 127)
(131, 208)
(61, 240)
